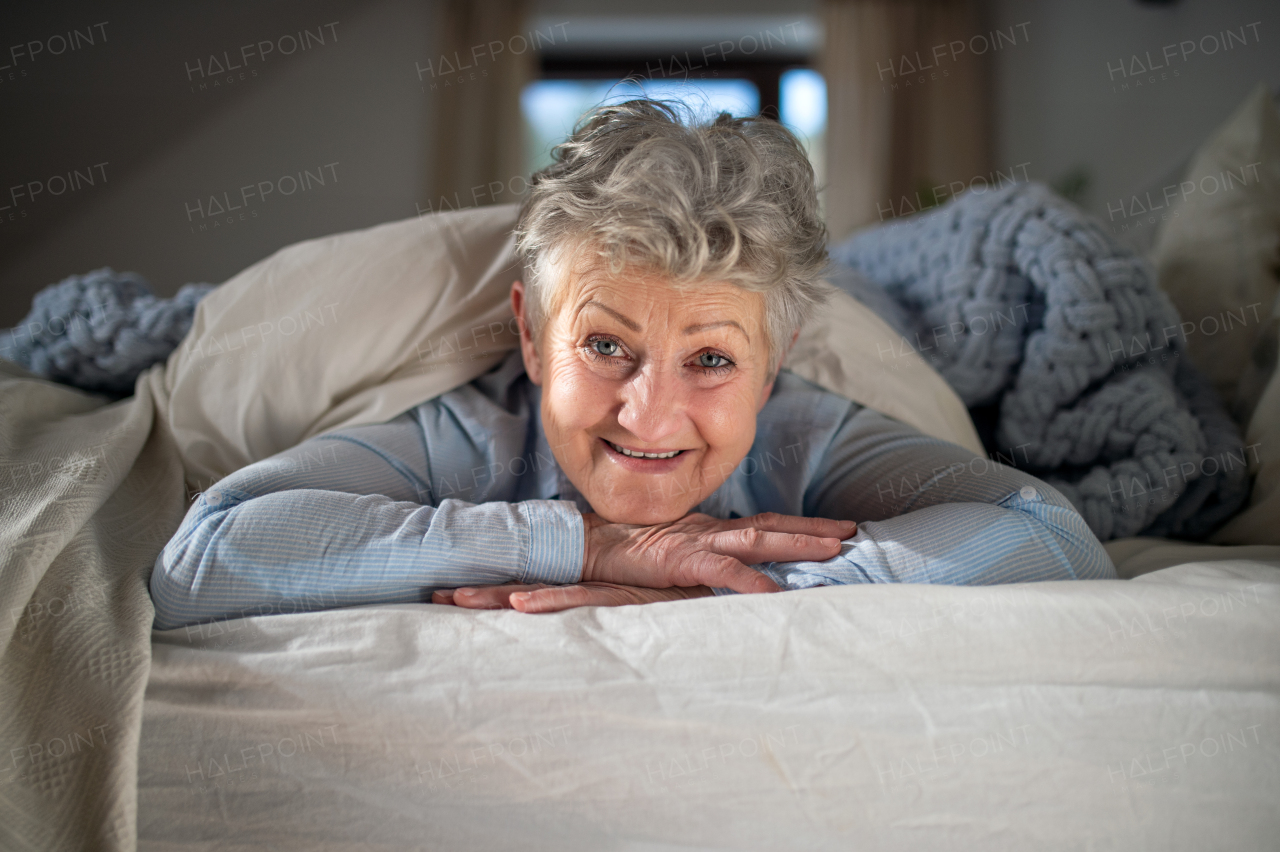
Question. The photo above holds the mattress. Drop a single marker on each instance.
(1127, 714)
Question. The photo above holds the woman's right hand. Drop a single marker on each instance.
(699, 550)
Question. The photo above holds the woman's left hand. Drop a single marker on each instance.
(545, 598)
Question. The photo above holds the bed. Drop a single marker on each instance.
(1133, 713)
(1089, 715)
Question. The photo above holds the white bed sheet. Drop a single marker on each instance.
(1139, 714)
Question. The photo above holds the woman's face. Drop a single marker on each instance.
(631, 361)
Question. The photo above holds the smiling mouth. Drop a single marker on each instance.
(640, 455)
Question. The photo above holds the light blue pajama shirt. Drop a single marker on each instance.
(464, 490)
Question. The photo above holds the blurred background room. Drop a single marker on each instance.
(186, 141)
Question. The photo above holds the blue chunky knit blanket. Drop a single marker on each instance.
(1071, 359)
(100, 330)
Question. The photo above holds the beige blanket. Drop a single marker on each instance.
(91, 492)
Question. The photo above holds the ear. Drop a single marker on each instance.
(528, 348)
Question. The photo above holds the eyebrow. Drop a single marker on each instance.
(634, 326)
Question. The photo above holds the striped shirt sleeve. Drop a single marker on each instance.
(343, 520)
(929, 511)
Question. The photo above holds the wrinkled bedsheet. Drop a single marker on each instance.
(1101, 715)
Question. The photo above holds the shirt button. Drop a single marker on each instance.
(1027, 493)
(215, 497)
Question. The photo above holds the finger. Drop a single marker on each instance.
(557, 598)
(488, 597)
(718, 570)
(778, 522)
(752, 545)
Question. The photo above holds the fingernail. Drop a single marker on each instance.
(850, 524)
(523, 597)
(467, 592)
(830, 541)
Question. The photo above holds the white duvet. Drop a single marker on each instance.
(1102, 715)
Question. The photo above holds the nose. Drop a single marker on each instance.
(652, 405)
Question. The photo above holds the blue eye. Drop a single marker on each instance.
(609, 355)
(606, 349)
(723, 367)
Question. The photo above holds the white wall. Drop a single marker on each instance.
(1058, 106)
(359, 104)
(356, 102)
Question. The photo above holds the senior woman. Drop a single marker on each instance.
(643, 443)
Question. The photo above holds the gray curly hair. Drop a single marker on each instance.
(637, 183)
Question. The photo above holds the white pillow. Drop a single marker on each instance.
(1217, 253)
(1217, 257)
(359, 327)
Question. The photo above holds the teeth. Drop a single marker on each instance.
(627, 452)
